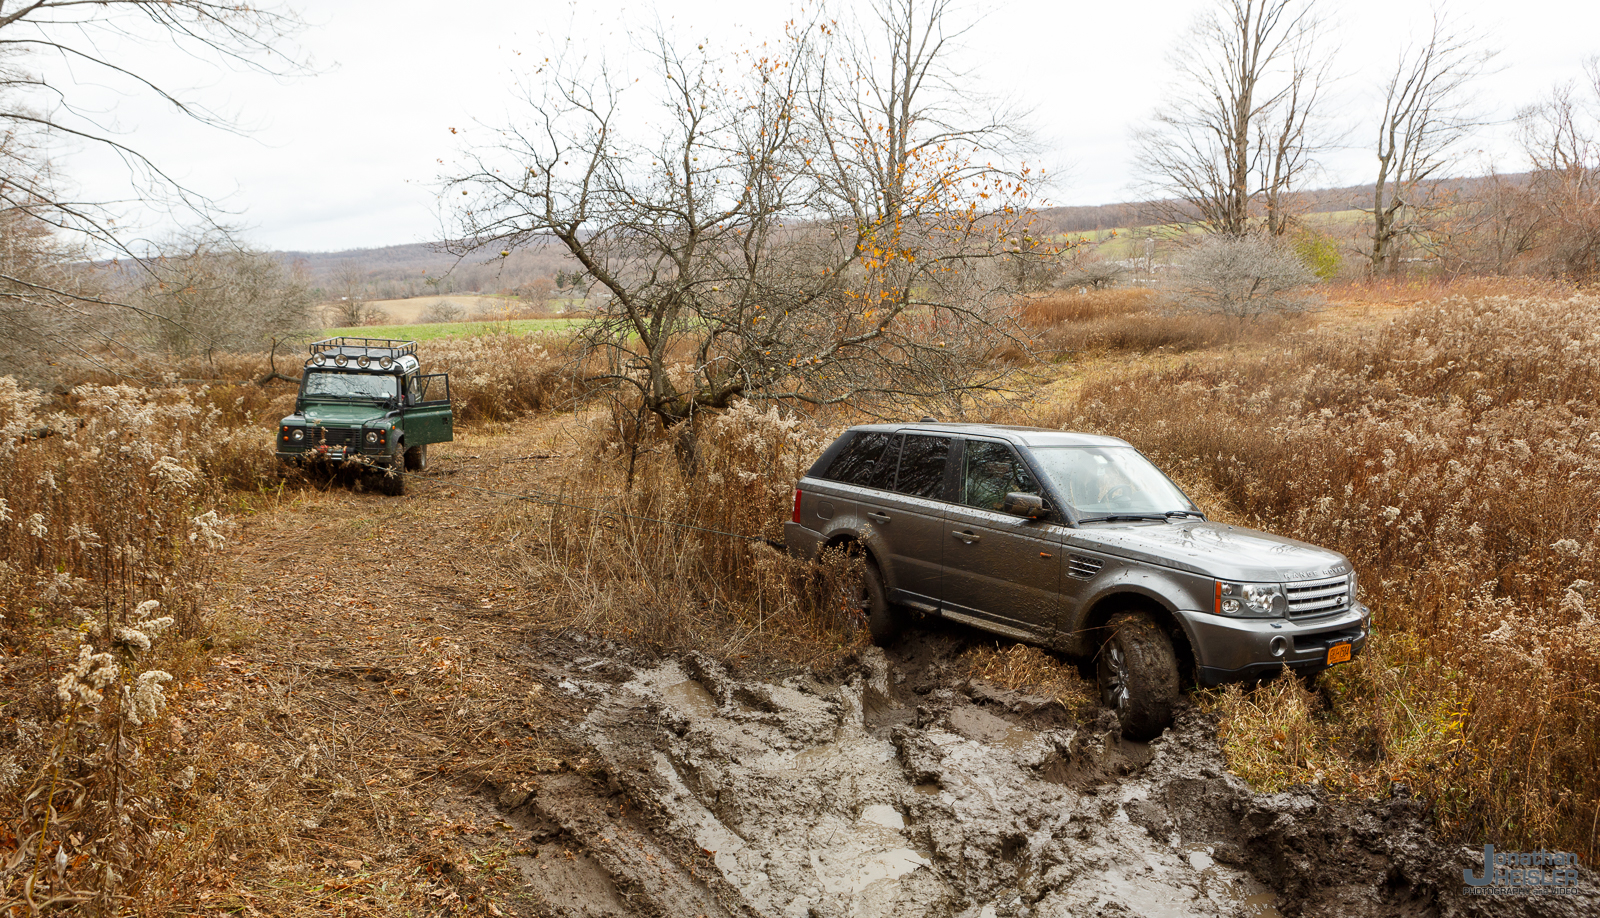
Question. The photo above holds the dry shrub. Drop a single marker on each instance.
(108, 528)
(1131, 320)
(502, 376)
(1054, 308)
(1455, 456)
(686, 561)
(1020, 667)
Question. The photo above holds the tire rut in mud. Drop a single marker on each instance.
(897, 787)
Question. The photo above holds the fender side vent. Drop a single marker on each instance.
(1083, 568)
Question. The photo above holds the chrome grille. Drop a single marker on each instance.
(1319, 597)
(1083, 568)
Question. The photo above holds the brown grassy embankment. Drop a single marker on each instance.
(1454, 454)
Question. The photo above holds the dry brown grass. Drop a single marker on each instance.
(1454, 454)
(108, 531)
(1133, 320)
(1020, 667)
(686, 562)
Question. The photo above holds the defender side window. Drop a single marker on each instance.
(989, 472)
(922, 462)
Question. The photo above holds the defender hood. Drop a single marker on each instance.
(342, 414)
(1213, 550)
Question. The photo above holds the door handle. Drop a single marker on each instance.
(880, 517)
(967, 537)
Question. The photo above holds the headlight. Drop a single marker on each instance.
(297, 434)
(1355, 589)
(1261, 600)
(372, 438)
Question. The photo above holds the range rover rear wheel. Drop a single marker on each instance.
(1138, 674)
(884, 619)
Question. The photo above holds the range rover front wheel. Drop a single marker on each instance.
(1138, 674)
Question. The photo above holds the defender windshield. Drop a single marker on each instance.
(350, 385)
(1100, 481)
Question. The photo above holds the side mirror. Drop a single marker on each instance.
(1028, 506)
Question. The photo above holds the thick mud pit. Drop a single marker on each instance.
(894, 789)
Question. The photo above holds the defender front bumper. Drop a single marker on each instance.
(1230, 649)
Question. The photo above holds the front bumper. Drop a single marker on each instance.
(335, 455)
(1231, 649)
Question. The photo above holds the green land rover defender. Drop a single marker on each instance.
(365, 406)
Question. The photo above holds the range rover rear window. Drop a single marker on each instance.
(869, 461)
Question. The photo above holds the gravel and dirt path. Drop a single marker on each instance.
(395, 735)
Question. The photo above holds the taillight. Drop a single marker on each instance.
(796, 517)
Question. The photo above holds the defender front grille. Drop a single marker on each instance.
(1319, 597)
(333, 436)
(1083, 568)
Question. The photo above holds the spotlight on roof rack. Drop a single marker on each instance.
(340, 360)
(385, 362)
(322, 360)
(362, 361)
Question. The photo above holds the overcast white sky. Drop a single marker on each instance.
(347, 158)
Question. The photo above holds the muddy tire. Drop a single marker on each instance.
(884, 619)
(1138, 675)
(417, 458)
(392, 480)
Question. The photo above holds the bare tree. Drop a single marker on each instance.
(207, 294)
(1425, 116)
(50, 49)
(349, 307)
(781, 237)
(1238, 133)
(1562, 139)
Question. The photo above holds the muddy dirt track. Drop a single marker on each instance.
(465, 760)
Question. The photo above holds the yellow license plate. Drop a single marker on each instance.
(1338, 653)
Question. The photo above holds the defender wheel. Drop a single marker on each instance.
(392, 480)
(1138, 675)
(884, 619)
(417, 458)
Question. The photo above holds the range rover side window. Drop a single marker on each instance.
(922, 460)
(860, 462)
(990, 472)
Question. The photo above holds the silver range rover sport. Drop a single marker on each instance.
(1078, 543)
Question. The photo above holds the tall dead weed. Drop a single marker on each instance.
(1455, 456)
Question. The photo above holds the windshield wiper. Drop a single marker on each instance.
(1184, 513)
(1122, 518)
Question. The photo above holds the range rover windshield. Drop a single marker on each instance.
(1112, 482)
(350, 385)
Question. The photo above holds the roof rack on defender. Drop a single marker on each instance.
(363, 351)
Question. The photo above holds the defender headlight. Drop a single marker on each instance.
(372, 438)
(297, 434)
(1261, 600)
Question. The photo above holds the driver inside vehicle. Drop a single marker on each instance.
(993, 472)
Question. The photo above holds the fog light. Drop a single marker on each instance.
(322, 360)
(340, 360)
(362, 361)
(1279, 645)
(385, 362)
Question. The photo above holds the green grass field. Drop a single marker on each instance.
(435, 330)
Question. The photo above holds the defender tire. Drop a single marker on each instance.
(884, 619)
(417, 458)
(392, 480)
(1138, 675)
